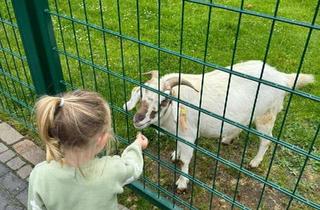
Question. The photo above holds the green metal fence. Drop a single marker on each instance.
(106, 46)
(16, 86)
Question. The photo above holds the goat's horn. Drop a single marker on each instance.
(170, 83)
(153, 74)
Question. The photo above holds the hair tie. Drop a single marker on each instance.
(61, 102)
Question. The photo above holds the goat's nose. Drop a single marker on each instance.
(139, 117)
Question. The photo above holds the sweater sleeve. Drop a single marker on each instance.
(34, 199)
(131, 164)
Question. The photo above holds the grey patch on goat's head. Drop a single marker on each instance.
(153, 114)
(143, 107)
(152, 105)
(141, 113)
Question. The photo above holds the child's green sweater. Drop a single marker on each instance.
(56, 187)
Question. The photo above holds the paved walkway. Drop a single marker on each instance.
(18, 155)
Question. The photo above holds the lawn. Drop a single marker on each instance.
(105, 52)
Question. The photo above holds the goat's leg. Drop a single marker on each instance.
(264, 124)
(185, 157)
(228, 139)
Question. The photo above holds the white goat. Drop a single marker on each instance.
(241, 98)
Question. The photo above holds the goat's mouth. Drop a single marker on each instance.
(141, 126)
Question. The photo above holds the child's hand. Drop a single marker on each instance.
(142, 140)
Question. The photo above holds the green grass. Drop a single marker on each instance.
(285, 53)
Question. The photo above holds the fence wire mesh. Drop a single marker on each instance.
(16, 86)
(106, 46)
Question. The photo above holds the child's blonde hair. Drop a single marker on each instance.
(71, 120)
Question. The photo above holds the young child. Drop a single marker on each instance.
(74, 128)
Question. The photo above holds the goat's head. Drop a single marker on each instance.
(153, 105)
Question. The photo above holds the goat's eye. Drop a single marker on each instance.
(153, 114)
(164, 103)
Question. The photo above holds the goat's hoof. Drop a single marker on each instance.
(181, 191)
(226, 141)
(182, 184)
(254, 163)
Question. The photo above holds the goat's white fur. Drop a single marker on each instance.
(241, 99)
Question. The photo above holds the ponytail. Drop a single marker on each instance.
(46, 109)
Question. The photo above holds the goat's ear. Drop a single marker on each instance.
(135, 98)
(152, 74)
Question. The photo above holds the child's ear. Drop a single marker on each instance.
(102, 140)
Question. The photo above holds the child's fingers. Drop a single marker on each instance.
(141, 136)
(143, 141)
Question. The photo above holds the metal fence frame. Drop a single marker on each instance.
(42, 54)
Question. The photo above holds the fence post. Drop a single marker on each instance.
(38, 40)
